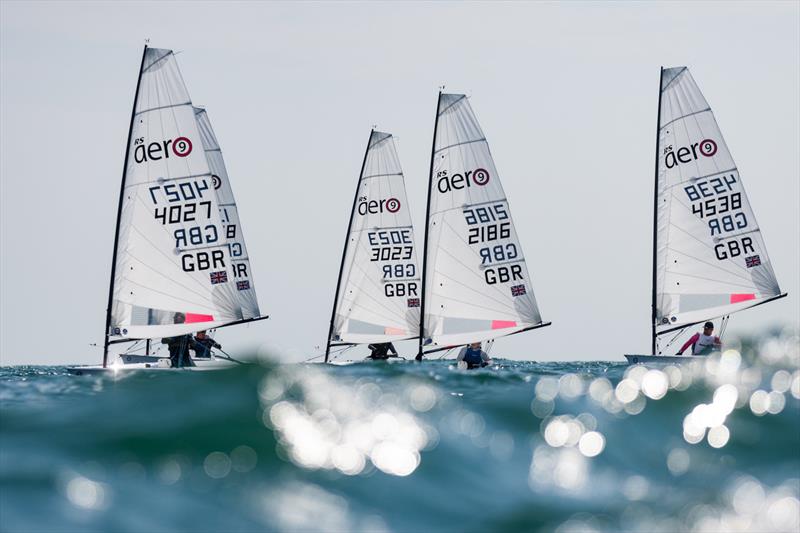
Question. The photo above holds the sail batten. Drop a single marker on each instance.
(477, 285)
(710, 256)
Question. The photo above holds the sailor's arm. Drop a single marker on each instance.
(690, 342)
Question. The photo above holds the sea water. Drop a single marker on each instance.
(519, 446)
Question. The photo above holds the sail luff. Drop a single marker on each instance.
(344, 248)
(424, 281)
(107, 331)
(655, 215)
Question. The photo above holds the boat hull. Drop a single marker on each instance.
(150, 364)
(634, 359)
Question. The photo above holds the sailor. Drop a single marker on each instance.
(179, 346)
(703, 343)
(203, 344)
(380, 351)
(474, 356)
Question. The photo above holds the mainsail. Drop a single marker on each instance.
(710, 258)
(477, 285)
(378, 293)
(175, 270)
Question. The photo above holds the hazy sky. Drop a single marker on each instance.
(566, 94)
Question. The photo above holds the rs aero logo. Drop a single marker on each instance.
(450, 182)
(686, 154)
(373, 207)
(155, 151)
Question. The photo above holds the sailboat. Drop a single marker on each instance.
(709, 257)
(475, 280)
(179, 261)
(377, 295)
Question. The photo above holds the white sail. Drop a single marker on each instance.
(379, 295)
(710, 255)
(242, 292)
(172, 255)
(477, 281)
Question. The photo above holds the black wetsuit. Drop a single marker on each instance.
(179, 350)
(381, 350)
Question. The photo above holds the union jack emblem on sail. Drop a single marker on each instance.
(413, 302)
(243, 285)
(752, 261)
(219, 277)
(518, 290)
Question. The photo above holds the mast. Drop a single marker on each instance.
(425, 242)
(344, 250)
(655, 217)
(119, 214)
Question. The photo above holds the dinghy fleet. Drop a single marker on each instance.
(180, 263)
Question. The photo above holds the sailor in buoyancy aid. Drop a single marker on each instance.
(179, 346)
(474, 356)
(203, 344)
(703, 343)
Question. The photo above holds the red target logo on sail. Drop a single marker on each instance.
(158, 150)
(182, 146)
(708, 147)
(447, 182)
(480, 176)
(374, 207)
(687, 154)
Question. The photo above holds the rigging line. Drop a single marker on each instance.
(709, 279)
(686, 116)
(709, 264)
(482, 139)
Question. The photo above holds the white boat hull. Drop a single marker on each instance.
(634, 359)
(142, 363)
